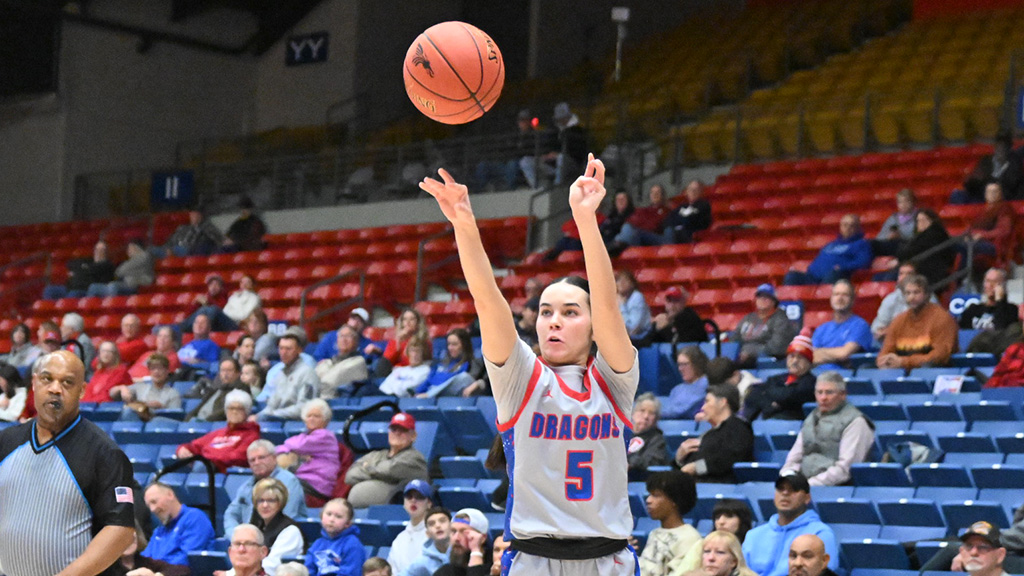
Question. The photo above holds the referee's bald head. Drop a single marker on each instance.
(64, 358)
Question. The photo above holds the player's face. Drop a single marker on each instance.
(439, 527)
(58, 388)
(659, 506)
(261, 463)
(335, 518)
(416, 505)
(564, 325)
(716, 559)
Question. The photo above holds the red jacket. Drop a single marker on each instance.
(649, 218)
(226, 447)
(130, 350)
(98, 389)
(1010, 371)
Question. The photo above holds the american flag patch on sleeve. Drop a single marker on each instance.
(123, 494)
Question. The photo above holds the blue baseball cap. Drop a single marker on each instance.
(768, 290)
(420, 486)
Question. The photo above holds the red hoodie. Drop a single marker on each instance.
(226, 447)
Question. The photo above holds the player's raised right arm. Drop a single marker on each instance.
(497, 327)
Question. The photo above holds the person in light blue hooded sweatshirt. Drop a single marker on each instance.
(766, 547)
(436, 549)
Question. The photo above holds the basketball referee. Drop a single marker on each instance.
(66, 502)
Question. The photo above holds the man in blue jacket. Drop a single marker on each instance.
(182, 528)
(766, 548)
(839, 258)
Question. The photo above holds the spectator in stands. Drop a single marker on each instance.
(515, 151)
(246, 552)
(898, 228)
(1010, 371)
(252, 376)
(722, 555)
(182, 528)
(242, 302)
(647, 447)
(572, 145)
(13, 393)
(633, 307)
(994, 230)
(995, 318)
(198, 237)
(213, 393)
(263, 463)
(408, 545)
(893, 303)
(346, 370)
(1002, 166)
(845, 334)
(679, 322)
(686, 398)
(500, 546)
(722, 370)
(410, 323)
(622, 208)
(457, 371)
(358, 320)
(338, 549)
(245, 349)
(135, 272)
(201, 354)
(710, 458)
(526, 325)
(729, 515)
(22, 353)
(570, 240)
(470, 551)
(924, 335)
(1011, 539)
(783, 396)
(166, 346)
(692, 216)
(293, 386)
(931, 232)
(227, 446)
(834, 436)
(266, 343)
(379, 475)
(72, 327)
(292, 568)
(313, 456)
(981, 552)
(133, 562)
(272, 374)
(131, 344)
(81, 273)
(48, 335)
(645, 226)
(807, 557)
(110, 374)
(214, 301)
(670, 496)
(403, 381)
(435, 550)
(839, 258)
(280, 532)
(155, 393)
(377, 566)
(765, 331)
(766, 547)
(245, 234)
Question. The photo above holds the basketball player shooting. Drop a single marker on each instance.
(563, 416)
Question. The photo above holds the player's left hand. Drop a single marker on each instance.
(452, 197)
(587, 192)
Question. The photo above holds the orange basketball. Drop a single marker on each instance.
(454, 72)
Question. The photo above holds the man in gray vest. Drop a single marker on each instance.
(834, 436)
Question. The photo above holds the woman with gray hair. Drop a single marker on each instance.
(647, 447)
(686, 398)
(315, 455)
(227, 446)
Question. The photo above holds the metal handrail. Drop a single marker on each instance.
(422, 269)
(325, 282)
(211, 472)
(965, 271)
(361, 413)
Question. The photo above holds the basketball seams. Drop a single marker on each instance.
(479, 56)
(412, 76)
(455, 71)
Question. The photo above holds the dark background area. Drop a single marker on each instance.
(28, 53)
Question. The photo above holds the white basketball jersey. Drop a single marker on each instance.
(566, 453)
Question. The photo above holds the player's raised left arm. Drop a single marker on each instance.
(106, 547)
(610, 333)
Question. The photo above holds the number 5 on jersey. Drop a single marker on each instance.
(579, 474)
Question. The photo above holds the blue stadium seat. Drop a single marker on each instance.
(882, 572)
(884, 411)
(372, 532)
(911, 533)
(972, 442)
(473, 430)
(940, 475)
(208, 561)
(387, 512)
(960, 514)
(310, 528)
(756, 471)
(973, 359)
(998, 476)
(197, 490)
(878, 474)
(783, 441)
(939, 428)
(876, 375)
(884, 440)
(1010, 444)
(706, 503)
(943, 493)
(855, 531)
(968, 459)
(928, 548)
(910, 512)
(989, 410)
(394, 528)
(637, 499)
(964, 338)
(848, 511)
(872, 553)
(769, 427)
(960, 398)
(891, 426)
(861, 387)
(996, 427)
(1010, 498)
(143, 457)
(463, 467)
(904, 385)
(819, 493)
(876, 493)
(456, 497)
(933, 412)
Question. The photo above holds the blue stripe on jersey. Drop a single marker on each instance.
(509, 446)
(74, 480)
(636, 559)
(32, 435)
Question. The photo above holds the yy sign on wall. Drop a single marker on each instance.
(306, 49)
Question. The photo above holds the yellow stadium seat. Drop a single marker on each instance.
(823, 131)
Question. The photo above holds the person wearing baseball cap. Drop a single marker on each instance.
(981, 552)
(327, 346)
(470, 553)
(679, 322)
(408, 545)
(764, 332)
(783, 396)
(983, 543)
(379, 475)
(766, 547)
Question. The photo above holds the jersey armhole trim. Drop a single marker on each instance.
(611, 399)
(534, 378)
